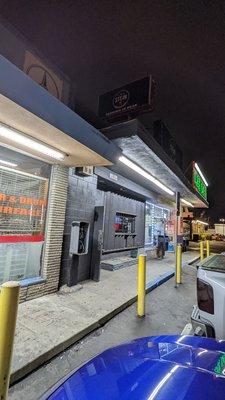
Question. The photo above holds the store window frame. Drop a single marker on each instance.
(153, 216)
(14, 241)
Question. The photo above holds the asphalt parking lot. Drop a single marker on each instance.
(167, 311)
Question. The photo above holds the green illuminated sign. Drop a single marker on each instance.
(199, 185)
(219, 368)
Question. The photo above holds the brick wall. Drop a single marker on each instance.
(81, 200)
(53, 236)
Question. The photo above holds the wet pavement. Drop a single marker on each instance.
(168, 309)
(49, 324)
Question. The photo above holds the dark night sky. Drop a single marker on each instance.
(103, 44)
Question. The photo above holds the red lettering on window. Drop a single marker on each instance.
(12, 199)
(2, 197)
(23, 200)
(7, 210)
(16, 211)
(23, 211)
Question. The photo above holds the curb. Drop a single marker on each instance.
(194, 261)
(159, 281)
(43, 358)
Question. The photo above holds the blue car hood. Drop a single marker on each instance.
(151, 368)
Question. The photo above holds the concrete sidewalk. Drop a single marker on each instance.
(49, 324)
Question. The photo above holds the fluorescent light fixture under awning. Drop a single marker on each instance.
(145, 174)
(7, 163)
(19, 138)
(31, 110)
(187, 203)
(197, 221)
(201, 174)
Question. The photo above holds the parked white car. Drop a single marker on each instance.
(208, 316)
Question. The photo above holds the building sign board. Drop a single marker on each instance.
(198, 183)
(43, 75)
(131, 99)
(114, 177)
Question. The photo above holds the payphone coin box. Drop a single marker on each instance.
(79, 237)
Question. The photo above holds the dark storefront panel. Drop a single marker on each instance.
(83, 198)
(165, 139)
(80, 207)
(124, 223)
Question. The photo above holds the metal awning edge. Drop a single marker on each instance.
(21, 89)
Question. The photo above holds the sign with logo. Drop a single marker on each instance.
(42, 75)
(131, 99)
(198, 183)
(114, 177)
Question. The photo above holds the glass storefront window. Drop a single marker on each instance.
(149, 221)
(156, 219)
(23, 204)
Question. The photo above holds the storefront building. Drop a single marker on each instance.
(220, 229)
(46, 202)
(199, 229)
(124, 209)
(164, 177)
(40, 138)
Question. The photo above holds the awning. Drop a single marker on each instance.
(30, 109)
(137, 151)
(139, 146)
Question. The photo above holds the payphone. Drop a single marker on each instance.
(79, 238)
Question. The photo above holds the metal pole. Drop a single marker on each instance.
(178, 272)
(141, 285)
(177, 209)
(207, 248)
(201, 251)
(9, 299)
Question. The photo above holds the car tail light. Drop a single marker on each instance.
(205, 296)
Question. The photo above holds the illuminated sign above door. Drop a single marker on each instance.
(198, 181)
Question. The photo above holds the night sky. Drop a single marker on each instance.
(104, 44)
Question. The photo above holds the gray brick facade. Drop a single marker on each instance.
(80, 207)
(53, 236)
(83, 196)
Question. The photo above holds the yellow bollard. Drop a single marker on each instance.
(201, 251)
(9, 299)
(141, 285)
(207, 248)
(178, 272)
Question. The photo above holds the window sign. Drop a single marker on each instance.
(199, 184)
(23, 201)
(23, 207)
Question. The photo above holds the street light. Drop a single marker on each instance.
(222, 220)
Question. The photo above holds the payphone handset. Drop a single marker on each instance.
(79, 238)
